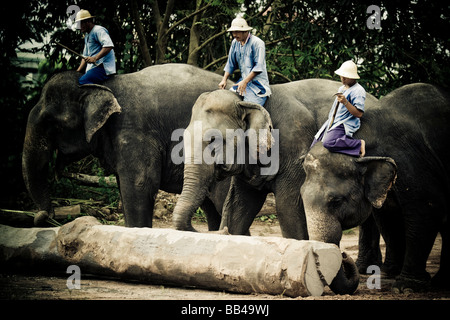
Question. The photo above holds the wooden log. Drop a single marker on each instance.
(243, 264)
(66, 212)
(110, 182)
(18, 218)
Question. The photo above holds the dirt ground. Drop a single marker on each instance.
(53, 287)
(21, 286)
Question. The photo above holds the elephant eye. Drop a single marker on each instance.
(335, 202)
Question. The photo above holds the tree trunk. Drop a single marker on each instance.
(162, 27)
(141, 34)
(271, 265)
(194, 39)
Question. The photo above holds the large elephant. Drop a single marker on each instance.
(296, 110)
(128, 124)
(410, 126)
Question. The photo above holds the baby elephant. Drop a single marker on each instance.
(408, 197)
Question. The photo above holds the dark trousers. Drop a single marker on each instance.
(95, 75)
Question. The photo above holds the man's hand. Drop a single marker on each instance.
(352, 109)
(223, 84)
(341, 98)
(242, 86)
(90, 59)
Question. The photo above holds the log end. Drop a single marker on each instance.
(324, 263)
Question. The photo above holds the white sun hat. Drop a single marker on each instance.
(83, 15)
(239, 24)
(348, 70)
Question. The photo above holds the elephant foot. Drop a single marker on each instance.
(408, 285)
(223, 231)
(366, 259)
(40, 218)
(390, 270)
(364, 265)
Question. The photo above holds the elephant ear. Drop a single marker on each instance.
(99, 104)
(257, 117)
(379, 174)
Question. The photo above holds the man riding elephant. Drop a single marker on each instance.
(99, 61)
(403, 180)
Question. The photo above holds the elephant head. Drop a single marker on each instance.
(65, 120)
(338, 193)
(221, 129)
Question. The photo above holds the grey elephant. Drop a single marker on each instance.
(404, 181)
(296, 110)
(127, 124)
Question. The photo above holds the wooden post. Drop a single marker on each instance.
(243, 264)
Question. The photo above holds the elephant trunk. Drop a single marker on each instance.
(197, 179)
(327, 228)
(347, 278)
(37, 151)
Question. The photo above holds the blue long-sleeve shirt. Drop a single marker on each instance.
(356, 95)
(94, 42)
(250, 57)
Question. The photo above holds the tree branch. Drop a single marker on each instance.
(279, 75)
(141, 34)
(176, 24)
(204, 44)
(215, 61)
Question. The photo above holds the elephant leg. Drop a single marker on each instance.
(421, 230)
(369, 252)
(390, 224)
(139, 185)
(213, 217)
(241, 206)
(137, 204)
(442, 277)
(290, 210)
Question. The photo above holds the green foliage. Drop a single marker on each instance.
(267, 218)
(199, 215)
(66, 188)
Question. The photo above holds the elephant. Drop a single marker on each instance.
(402, 184)
(127, 123)
(296, 109)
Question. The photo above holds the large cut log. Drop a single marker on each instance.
(163, 256)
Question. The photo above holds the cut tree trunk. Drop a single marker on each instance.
(243, 264)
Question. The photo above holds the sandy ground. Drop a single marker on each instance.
(26, 287)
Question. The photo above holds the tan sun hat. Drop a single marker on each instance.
(83, 15)
(348, 70)
(239, 24)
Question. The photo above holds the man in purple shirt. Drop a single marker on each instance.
(248, 54)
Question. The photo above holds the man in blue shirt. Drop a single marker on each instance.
(248, 53)
(99, 62)
(343, 120)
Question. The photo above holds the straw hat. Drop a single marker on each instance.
(83, 15)
(348, 70)
(239, 24)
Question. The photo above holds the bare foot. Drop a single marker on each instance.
(362, 153)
